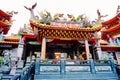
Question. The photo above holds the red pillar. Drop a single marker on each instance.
(87, 49)
(43, 48)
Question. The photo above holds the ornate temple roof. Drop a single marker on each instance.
(5, 22)
(112, 21)
(111, 27)
(64, 31)
(12, 38)
(59, 26)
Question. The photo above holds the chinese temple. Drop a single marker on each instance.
(57, 42)
(61, 47)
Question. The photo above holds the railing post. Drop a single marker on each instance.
(20, 50)
(112, 66)
(92, 66)
(37, 66)
(62, 66)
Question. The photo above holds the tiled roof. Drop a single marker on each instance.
(110, 47)
(12, 38)
(112, 21)
(8, 42)
(62, 32)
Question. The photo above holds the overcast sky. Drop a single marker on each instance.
(74, 7)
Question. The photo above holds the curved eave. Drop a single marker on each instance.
(8, 44)
(111, 21)
(3, 14)
(5, 27)
(110, 48)
(12, 39)
(112, 30)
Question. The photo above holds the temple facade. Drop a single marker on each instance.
(75, 40)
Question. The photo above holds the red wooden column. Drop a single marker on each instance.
(43, 48)
(87, 49)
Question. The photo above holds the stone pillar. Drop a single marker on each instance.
(87, 49)
(20, 50)
(43, 48)
(99, 52)
(98, 49)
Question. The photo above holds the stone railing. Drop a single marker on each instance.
(75, 69)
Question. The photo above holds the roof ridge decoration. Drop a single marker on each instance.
(58, 20)
(31, 9)
(118, 9)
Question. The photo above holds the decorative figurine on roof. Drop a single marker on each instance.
(45, 17)
(26, 30)
(100, 16)
(57, 17)
(31, 10)
(12, 12)
(118, 9)
(83, 20)
(72, 18)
